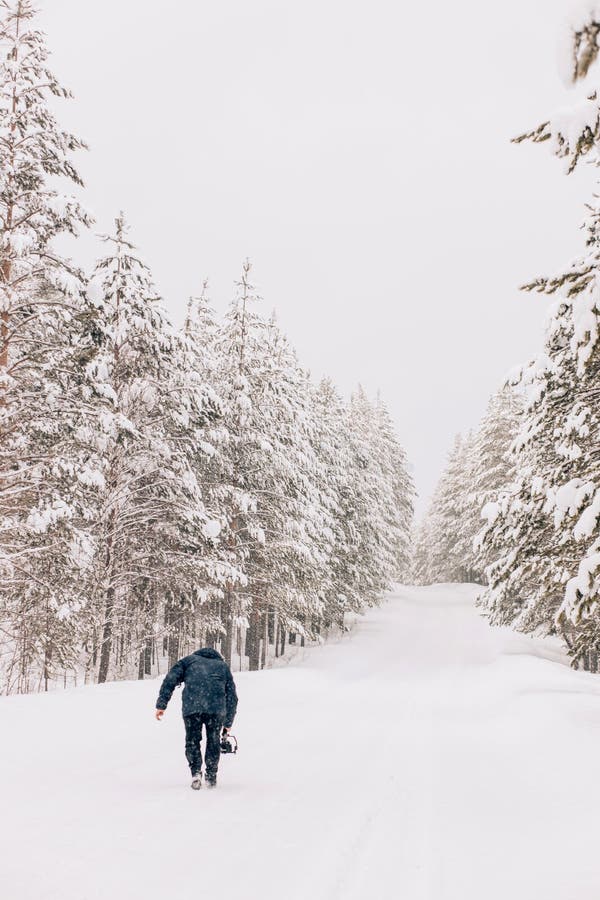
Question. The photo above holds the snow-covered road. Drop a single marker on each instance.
(424, 757)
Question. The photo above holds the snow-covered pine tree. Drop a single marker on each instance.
(272, 482)
(374, 494)
(334, 448)
(400, 493)
(201, 329)
(564, 428)
(575, 497)
(444, 551)
(492, 465)
(155, 540)
(201, 333)
(378, 525)
(47, 501)
(34, 152)
(487, 468)
(369, 560)
(478, 467)
(289, 573)
(556, 501)
(579, 44)
(573, 133)
(241, 369)
(518, 539)
(45, 340)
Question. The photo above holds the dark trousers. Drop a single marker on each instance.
(193, 736)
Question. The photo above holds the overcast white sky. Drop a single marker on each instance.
(359, 153)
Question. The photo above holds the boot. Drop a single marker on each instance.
(196, 781)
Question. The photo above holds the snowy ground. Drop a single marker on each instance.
(424, 756)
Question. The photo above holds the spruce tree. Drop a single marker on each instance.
(333, 437)
(278, 523)
(545, 530)
(399, 493)
(444, 551)
(377, 552)
(518, 539)
(154, 534)
(295, 499)
(46, 340)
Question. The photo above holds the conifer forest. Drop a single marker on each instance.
(530, 470)
(163, 486)
(299, 449)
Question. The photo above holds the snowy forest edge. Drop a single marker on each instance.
(162, 488)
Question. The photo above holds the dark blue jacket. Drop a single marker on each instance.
(208, 686)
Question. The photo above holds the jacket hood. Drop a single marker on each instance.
(208, 653)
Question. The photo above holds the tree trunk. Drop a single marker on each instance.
(271, 619)
(6, 267)
(47, 650)
(148, 657)
(173, 649)
(239, 645)
(47, 664)
(23, 676)
(107, 632)
(107, 629)
(265, 642)
(227, 640)
(173, 620)
(253, 642)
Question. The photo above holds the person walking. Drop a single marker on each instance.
(209, 699)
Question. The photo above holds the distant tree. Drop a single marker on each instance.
(333, 442)
(479, 466)
(400, 492)
(381, 500)
(443, 551)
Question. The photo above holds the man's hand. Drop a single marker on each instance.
(159, 714)
(225, 731)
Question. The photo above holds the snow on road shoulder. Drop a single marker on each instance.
(424, 756)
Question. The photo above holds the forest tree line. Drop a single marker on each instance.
(532, 470)
(161, 488)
